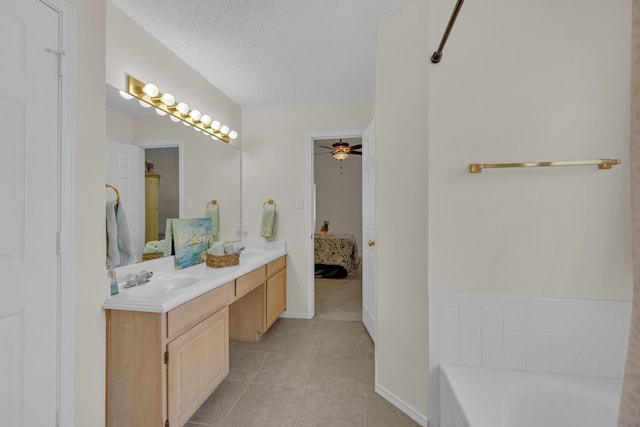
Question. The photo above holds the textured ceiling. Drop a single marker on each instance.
(269, 52)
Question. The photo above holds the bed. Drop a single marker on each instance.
(335, 255)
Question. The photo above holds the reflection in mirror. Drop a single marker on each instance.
(149, 155)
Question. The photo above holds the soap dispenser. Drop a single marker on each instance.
(113, 280)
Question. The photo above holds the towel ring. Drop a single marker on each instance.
(116, 191)
(269, 202)
(213, 202)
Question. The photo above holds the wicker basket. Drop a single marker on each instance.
(217, 261)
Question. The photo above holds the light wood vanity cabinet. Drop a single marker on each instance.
(162, 366)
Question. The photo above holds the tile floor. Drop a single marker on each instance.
(302, 373)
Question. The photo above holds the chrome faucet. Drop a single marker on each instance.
(138, 279)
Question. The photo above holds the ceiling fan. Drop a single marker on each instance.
(341, 150)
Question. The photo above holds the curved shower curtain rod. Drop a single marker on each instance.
(437, 55)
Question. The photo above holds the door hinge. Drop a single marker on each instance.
(58, 244)
(166, 358)
(58, 54)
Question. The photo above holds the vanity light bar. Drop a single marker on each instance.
(150, 94)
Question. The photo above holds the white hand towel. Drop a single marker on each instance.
(119, 243)
(213, 212)
(125, 243)
(268, 221)
(113, 254)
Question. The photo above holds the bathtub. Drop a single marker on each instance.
(479, 397)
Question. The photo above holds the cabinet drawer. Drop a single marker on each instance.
(189, 314)
(250, 281)
(274, 266)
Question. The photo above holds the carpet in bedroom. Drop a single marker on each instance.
(339, 299)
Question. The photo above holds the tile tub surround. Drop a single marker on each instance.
(564, 336)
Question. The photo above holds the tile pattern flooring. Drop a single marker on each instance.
(302, 373)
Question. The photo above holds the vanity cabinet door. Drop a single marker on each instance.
(198, 362)
(276, 296)
(276, 290)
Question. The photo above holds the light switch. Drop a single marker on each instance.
(299, 202)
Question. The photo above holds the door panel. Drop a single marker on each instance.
(29, 213)
(369, 260)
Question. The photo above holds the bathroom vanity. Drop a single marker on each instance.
(168, 343)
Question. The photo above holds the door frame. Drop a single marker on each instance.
(311, 208)
(66, 148)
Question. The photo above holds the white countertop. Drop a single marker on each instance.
(163, 292)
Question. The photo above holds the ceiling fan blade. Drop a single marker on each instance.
(356, 147)
(328, 148)
(316, 154)
(356, 152)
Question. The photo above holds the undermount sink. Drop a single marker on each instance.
(163, 287)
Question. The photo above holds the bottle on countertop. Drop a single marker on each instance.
(113, 280)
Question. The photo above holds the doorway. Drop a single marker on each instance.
(162, 163)
(338, 201)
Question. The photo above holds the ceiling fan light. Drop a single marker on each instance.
(340, 155)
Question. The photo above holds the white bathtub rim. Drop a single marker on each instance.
(486, 409)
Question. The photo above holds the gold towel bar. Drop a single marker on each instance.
(269, 202)
(116, 190)
(213, 202)
(601, 163)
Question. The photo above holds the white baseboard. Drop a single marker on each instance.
(288, 315)
(408, 410)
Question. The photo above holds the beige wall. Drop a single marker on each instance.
(539, 81)
(401, 206)
(274, 150)
(88, 213)
(119, 125)
(536, 81)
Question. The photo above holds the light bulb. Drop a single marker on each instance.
(125, 95)
(182, 108)
(160, 112)
(186, 123)
(167, 99)
(174, 119)
(215, 125)
(195, 115)
(151, 90)
(215, 138)
(143, 104)
(205, 119)
(233, 134)
(224, 130)
(197, 129)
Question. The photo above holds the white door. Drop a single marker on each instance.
(125, 171)
(29, 213)
(369, 269)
